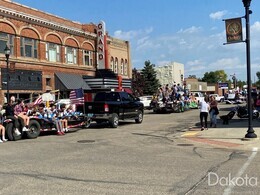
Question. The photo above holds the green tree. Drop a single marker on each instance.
(240, 84)
(137, 83)
(215, 77)
(151, 83)
(258, 79)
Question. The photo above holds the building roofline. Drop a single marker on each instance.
(14, 13)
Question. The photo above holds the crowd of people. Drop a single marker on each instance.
(208, 107)
(176, 93)
(20, 113)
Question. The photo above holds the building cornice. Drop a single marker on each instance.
(10, 13)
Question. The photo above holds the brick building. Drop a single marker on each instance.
(52, 53)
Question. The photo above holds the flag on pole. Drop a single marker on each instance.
(77, 96)
(38, 101)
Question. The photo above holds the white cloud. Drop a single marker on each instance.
(162, 63)
(194, 63)
(129, 35)
(142, 40)
(218, 15)
(144, 43)
(200, 50)
(255, 27)
(229, 63)
(190, 30)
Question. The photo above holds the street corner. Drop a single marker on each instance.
(213, 142)
(204, 137)
(249, 143)
(190, 134)
(194, 128)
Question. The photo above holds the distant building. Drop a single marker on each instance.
(192, 84)
(170, 73)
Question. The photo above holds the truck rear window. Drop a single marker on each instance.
(107, 97)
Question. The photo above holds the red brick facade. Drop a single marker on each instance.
(24, 22)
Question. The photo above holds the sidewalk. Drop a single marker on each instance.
(229, 136)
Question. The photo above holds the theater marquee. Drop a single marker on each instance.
(101, 45)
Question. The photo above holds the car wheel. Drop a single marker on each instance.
(114, 121)
(255, 115)
(34, 130)
(139, 118)
(87, 123)
(11, 136)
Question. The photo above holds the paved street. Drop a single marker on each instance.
(156, 157)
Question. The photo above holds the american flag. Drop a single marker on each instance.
(77, 96)
(38, 101)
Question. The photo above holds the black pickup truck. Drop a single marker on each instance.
(114, 106)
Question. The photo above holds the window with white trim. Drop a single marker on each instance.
(29, 47)
(116, 65)
(87, 58)
(70, 55)
(53, 52)
(112, 64)
(6, 39)
(125, 67)
(122, 67)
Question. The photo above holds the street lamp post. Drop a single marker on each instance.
(250, 131)
(234, 81)
(7, 54)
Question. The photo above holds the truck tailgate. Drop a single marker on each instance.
(94, 107)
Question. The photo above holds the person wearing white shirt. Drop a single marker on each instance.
(204, 112)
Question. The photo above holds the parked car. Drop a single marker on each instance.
(114, 106)
(218, 97)
(199, 97)
(146, 100)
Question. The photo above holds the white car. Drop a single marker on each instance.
(218, 97)
(146, 100)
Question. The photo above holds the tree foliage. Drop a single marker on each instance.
(151, 83)
(258, 79)
(215, 77)
(137, 83)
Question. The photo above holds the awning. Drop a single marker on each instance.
(67, 81)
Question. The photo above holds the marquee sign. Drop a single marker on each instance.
(101, 45)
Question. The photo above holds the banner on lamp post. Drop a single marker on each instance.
(234, 30)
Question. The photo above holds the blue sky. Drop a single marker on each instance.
(188, 31)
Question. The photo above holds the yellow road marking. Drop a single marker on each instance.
(189, 134)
